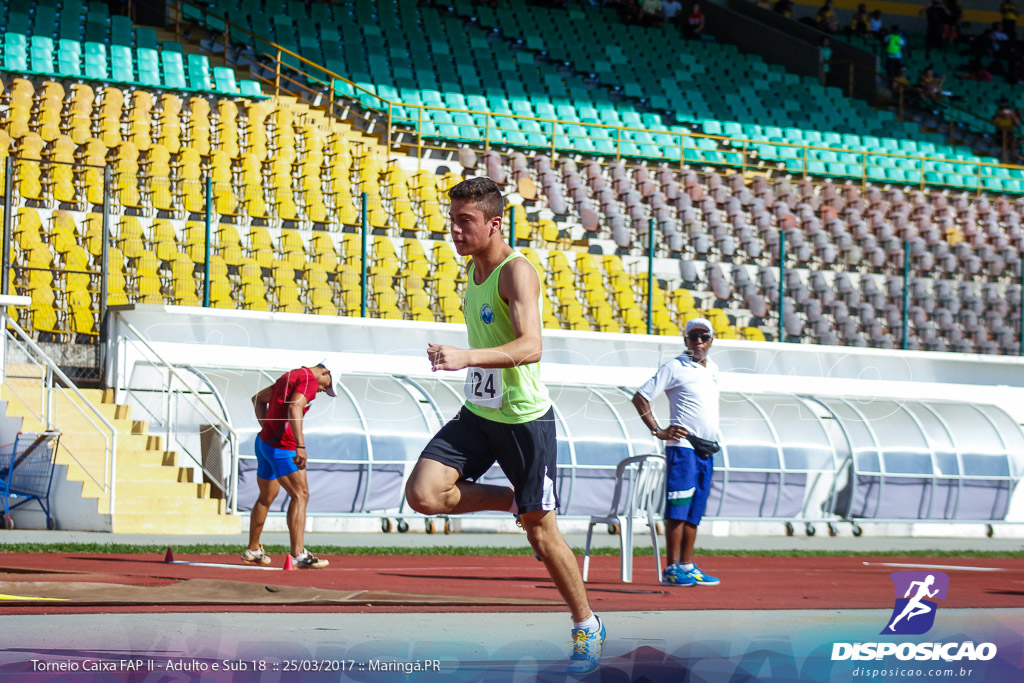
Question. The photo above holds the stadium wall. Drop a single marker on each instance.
(379, 360)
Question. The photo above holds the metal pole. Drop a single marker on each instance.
(782, 284)
(906, 291)
(365, 230)
(1022, 303)
(105, 249)
(512, 226)
(206, 270)
(8, 202)
(650, 276)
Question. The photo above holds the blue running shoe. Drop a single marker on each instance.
(700, 578)
(675, 575)
(586, 649)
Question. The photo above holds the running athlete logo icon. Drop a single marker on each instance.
(487, 314)
(916, 592)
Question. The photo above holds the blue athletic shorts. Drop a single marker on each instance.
(272, 463)
(687, 484)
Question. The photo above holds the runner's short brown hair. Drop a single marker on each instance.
(483, 192)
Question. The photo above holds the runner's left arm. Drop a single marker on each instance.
(519, 285)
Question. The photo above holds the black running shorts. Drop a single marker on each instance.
(527, 453)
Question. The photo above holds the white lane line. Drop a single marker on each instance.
(936, 566)
(225, 566)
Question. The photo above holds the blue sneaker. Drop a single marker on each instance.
(586, 649)
(700, 578)
(675, 575)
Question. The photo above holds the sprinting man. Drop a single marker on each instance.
(691, 383)
(281, 458)
(507, 416)
(915, 607)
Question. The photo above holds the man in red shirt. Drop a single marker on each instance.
(281, 458)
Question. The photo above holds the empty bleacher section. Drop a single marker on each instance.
(75, 39)
(286, 198)
(507, 77)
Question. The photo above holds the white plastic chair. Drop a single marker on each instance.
(639, 485)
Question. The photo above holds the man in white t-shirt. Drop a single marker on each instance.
(691, 383)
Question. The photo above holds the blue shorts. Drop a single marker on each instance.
(687, 484)
(272, 463)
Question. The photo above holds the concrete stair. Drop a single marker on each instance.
(154, 493)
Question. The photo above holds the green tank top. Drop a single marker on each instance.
(509, 395)
(894, 46)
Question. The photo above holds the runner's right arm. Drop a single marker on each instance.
(519, 285)
(261, 403)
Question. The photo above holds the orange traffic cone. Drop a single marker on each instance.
(169, 555)
(288, 566)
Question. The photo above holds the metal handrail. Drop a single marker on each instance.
(222, 422)
(110, 459)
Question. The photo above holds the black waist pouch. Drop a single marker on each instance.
(702, 447)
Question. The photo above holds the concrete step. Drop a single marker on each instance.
(164, 505)
(150, 523)
(154, 494)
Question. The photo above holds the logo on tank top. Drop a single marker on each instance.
(487, 314)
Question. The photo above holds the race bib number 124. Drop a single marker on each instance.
(483, 387)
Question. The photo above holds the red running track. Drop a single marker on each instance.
(748, 583)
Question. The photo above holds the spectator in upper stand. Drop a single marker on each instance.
(1006, 121)
(694, 26)
(826, 20)
(1006, 118)
(954, 13)
(894, 44)
(929, 86)
(900, 83)
(671, 10)
(826, 59)
(785, 8)
(935, 15)
(651, 10)
(859, 24)
(976, 71)
(1009, 12)
(999, 38)
(875, 23)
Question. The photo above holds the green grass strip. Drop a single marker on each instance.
(451, 550)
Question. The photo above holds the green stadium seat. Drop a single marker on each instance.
(122, 66)
(149, 66)
(69, 58)
(120, 31)
(199, 72)
(18, 23)
(224, 80)
(96, 61)
(174, 70)
(42, 54)
(15, 52)
(250, 88)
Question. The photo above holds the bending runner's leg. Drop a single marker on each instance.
(297, 488)
(554, 552)
(268, 492)
(436, 489)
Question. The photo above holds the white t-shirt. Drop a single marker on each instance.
(692, 391)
